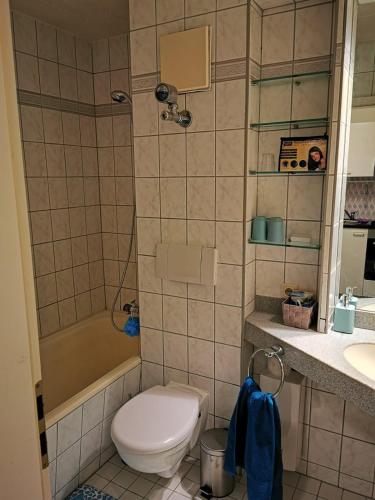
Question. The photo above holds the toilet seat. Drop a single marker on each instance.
(157, 420)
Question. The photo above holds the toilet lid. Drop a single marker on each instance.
(156, 420)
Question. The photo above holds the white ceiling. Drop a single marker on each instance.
(89, 19)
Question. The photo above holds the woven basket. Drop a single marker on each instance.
(297, 316)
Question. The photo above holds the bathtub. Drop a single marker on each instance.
(89, 370)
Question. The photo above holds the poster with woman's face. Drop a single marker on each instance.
(299, 154)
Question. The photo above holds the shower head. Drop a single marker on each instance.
(120, 96)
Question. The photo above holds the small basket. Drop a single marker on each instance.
(298, 316)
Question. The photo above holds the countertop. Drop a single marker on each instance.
(319, 356)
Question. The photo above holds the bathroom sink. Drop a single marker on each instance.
(362, 358)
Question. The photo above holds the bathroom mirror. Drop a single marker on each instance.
(185, 59)
(357, 252)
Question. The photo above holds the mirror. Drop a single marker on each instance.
(358, 241)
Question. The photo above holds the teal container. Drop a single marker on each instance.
(275, 230)
(259, 228)
(344, 318)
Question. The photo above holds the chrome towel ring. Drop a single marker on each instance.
(270, 352)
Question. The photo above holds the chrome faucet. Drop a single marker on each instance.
(351, 215)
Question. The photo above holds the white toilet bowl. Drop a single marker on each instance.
(156, 429)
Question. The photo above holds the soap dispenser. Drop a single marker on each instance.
(344, 315)
(352, 300)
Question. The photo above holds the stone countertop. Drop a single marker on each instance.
(319, 356)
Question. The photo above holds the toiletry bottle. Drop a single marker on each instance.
(352, 300)
(344, 316)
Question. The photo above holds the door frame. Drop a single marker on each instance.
(21, 472)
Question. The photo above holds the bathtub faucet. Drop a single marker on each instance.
(131, 308)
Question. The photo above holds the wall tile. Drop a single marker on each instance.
(227, 363)
(173, 198)
(24, 33)
(169, 10)
(278, 30)
(32, 126)
(324, 448)
(67, 466)
(358, 459)
(90, 446)
(202, 106)
(229, 285)
(230, 152)
(229, 189)
(69, 430)
(143, 51)
(327, 411)
(201, 198)
(175, 314)
(201, 319)
(172, 155)
(27, 72)
(152, 345)
(145, 114)
(66, 48)
(231, 34)
(228, 324)
(225, 399)
(311, 43)
(175, 351)
(201, 357)
(233, 116)
(142, 13)
(229, 237)
(53, 130)
(150, 310)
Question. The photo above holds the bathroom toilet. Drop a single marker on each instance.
(156, 429)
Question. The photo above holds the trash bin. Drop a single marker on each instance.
(215, 482)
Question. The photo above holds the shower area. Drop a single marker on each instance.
(73, 73)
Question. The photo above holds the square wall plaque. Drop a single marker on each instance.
(185, 59)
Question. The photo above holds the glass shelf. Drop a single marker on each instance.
(294, 124)
(289, 244)
(297, 77)
(261, 173)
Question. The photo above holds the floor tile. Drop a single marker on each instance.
(187, 488)
(109, 471)
(114, 490)
(158, 493)
(125, 478)
(97, 481)
(141, 486)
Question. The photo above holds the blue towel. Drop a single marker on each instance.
(235, 451)
(254, 443)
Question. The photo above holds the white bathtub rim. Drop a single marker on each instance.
(90, 391)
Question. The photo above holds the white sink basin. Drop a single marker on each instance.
(362, 358)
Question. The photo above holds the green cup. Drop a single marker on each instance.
(275, 230)
(258, 228)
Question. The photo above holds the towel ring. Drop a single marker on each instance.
(270, 352)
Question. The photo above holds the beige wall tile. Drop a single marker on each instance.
(358, 459)
(277, 37)
(37, 189)
(201, 154)
(233, 116)
(143, 51)
(269, 277)
(201, 319)
(228, 325)
(148, 281)
(225, 399)
(152, 345)
(202, 106)
(229, 285)
(229, 238)
(272, 197)
(32, 125)
(119, 52)
(68, 82)
(358, 424)
(227, 363)
(196, 7)
(145, 114)
(148, 235)
(27, 72)
(172, 155)
(100, 52)
(66, 48)
(231, 34)
(49, 319)
(169, 10)
(175, 314)
(49, 78)
(230, 152)
(311, 43)
(35, 159)
(201, 232)
(201, 357)
(84, 55)
(24, 33)
(173, 198)
(229, 198)
(175, 351)
(142, 13)
(324, 448)
(148, 197)
(201, 198)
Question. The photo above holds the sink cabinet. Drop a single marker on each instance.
(353, 258)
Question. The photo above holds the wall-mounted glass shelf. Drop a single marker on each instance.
(292, 124)
(289, 244)
(261, 173)
(297, 78)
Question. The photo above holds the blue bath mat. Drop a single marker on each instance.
(87, 492)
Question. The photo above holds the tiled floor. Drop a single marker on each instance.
(124, 483)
